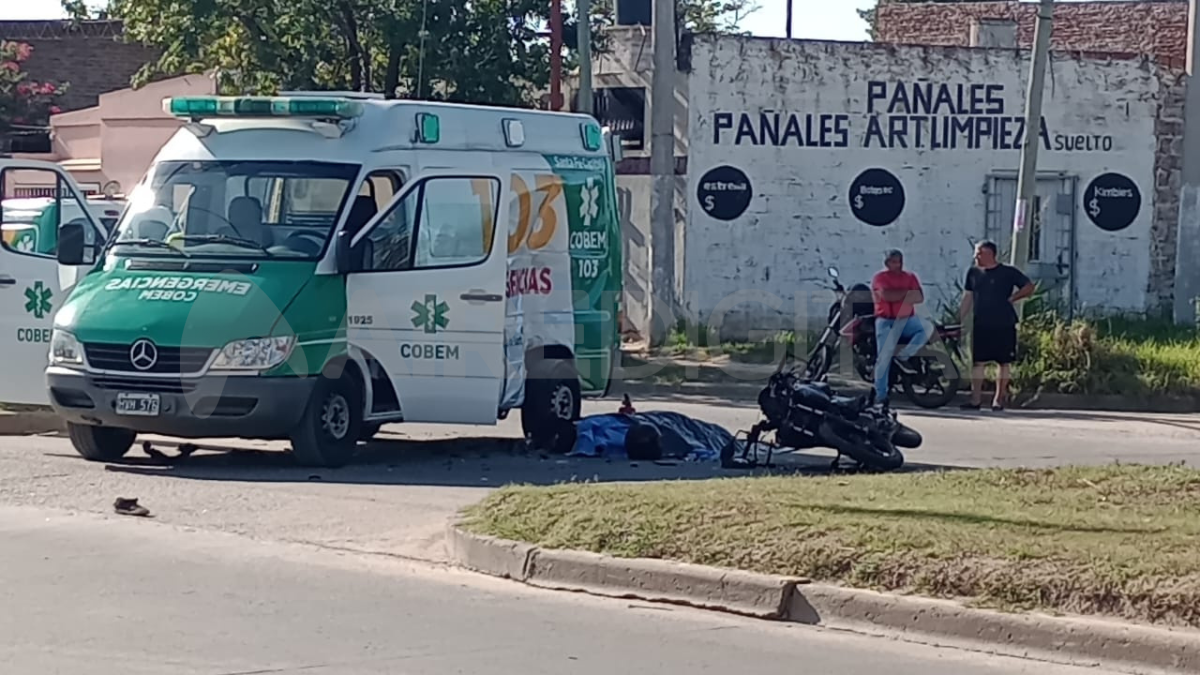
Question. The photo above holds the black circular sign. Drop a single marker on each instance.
(1112, 201)
(724, 192)
(876, 197)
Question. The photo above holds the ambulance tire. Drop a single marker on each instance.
(100, 444)
(551, 407)
(328, 434)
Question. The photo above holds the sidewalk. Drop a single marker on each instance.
(722, 378)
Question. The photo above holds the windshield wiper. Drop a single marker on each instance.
(226, 239)
(154, 243)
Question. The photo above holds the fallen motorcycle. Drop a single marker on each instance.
(929, 380)
(803, 414)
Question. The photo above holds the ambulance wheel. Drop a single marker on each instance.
(551, 407)
(100, 444)
(332, 424)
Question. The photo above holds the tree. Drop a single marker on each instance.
(80, 10)
(24, 103)
(483, 51)
(714, 16)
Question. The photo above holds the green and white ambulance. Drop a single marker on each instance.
(311, 266)
(31, 224)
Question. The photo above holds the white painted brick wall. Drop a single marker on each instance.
(800, 221)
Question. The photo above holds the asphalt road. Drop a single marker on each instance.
(397, 499)
(111, 596)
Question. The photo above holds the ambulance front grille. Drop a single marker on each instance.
(172, 360)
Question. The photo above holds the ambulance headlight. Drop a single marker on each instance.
(65, 350)
(255, 353)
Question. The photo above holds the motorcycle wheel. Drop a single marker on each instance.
(947, 388)
(907, 437)
(881, 455)
(818, 365)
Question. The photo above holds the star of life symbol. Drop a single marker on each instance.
(589, 202)
(37, 299)
(430, 314)
(26, 242)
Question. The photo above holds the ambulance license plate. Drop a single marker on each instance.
(140, 405)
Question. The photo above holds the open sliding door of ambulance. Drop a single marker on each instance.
(37, 197)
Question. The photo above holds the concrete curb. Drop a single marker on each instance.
(1080, 641)
(30, 423)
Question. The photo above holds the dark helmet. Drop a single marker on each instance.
(642, 441)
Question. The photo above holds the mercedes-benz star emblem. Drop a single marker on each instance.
(143, 354)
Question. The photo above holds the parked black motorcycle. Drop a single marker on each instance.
(805, 414)
(934, 379)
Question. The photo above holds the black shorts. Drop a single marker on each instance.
(994, 344)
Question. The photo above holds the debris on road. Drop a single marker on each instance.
(185, 450)
(130, 507)
(626, 406)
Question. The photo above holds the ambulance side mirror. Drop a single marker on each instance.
(73, 248)
(350, 258)
(341, 252)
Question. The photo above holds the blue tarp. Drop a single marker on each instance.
(682, 436)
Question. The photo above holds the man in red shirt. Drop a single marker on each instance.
(896, 294)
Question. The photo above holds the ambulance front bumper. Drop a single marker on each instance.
(190, 407)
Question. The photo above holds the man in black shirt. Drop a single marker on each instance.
(992, 289)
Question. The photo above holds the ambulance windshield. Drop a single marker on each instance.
(235, 208)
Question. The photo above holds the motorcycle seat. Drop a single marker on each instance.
(869, 327)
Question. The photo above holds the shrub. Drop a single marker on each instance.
(23, 102)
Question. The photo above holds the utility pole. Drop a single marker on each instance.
(1187, 240)
(1027, 179)
(583, 31)
(789, 20)
(556, 41)
(662, 168)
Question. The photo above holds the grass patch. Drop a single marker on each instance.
(1122, 541)
(701, 344)
(1108, 356)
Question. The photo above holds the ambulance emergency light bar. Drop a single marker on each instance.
(194, 107)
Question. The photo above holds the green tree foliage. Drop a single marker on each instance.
(484, 51)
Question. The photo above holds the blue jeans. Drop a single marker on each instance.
(888, 333)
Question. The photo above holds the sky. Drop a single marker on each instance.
(814, 19)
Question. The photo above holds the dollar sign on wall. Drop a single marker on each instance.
(724, 192)
(876, 197)
(1112, 201)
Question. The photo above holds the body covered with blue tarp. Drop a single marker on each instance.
(682, 436)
